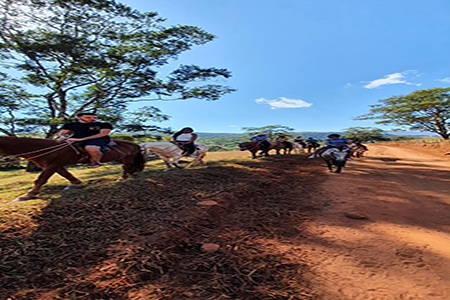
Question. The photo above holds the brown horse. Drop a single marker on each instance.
(254, 147)
(285, 146)
(52, 156)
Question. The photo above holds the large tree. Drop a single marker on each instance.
(96, 55)
(422, 110)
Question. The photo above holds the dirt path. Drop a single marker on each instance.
(402, 250)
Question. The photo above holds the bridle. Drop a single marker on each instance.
(51, 148)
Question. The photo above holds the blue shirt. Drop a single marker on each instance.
(258, 138)
(338, 142)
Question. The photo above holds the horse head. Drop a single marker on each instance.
(337, 154)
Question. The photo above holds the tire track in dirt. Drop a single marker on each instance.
(402, 250)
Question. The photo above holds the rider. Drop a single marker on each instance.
(357, 143)
(299, 140)
(312, 141)
(93, 135)
(185, 140)
(334, 141)
(284, 140)
(263, 140)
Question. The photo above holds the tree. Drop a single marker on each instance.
(365, 134)
(271, 130)
(99, 56)
(422, 110)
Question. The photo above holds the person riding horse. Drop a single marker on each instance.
(263, 141)
(299, 140)
(185, 140)
(284, 140)
(93, 135)
(334, 141)
(313, 142)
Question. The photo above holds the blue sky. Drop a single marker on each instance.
(312, 65)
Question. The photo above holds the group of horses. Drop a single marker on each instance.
(335, 158)
(285, 147)
(53, 156)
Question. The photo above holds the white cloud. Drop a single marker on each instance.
(233, 126)
(283, 102)
(446, 79)
(401, 77)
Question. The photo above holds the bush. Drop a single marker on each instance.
(9, 163)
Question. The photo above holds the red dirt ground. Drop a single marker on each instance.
(286, 230)
(402, 249)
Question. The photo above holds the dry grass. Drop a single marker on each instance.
(141, 239)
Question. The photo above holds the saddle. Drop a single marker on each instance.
(85, 158)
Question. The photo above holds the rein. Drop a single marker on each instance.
(120, 153)
(55, 148)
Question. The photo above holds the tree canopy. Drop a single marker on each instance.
(98, 56)
(365, 134)
(422, 110)
(272, 131)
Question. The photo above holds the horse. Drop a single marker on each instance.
(358, 151)
(334, 157)
(298, 148)
(285, 146)
(311, 147)
(254, 147)
(171, 153)
(52, 156)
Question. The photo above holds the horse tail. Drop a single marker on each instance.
(138, 163)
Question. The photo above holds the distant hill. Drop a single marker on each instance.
(305, 134)
(317, 135)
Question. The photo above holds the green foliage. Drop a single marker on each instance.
(99, 56)
(422, 110)
(365, 134)
(272, 131)
(9, 163)
(222, 143)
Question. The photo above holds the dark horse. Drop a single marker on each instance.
(285, 146)
(254, 147)
(52, 156)
(311, 147)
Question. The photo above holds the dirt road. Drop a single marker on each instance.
(402, 249)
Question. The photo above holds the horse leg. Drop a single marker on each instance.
(74, 182)
(38, 183)
(167, 163)
(201, 157)
(192, 162)
(176, 161)
(126, 163)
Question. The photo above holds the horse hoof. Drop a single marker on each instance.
(71, 187)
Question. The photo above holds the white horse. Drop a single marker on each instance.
(171, 153)
(334, 157)
(298, 148)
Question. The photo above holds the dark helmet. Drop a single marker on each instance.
(334, 135)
